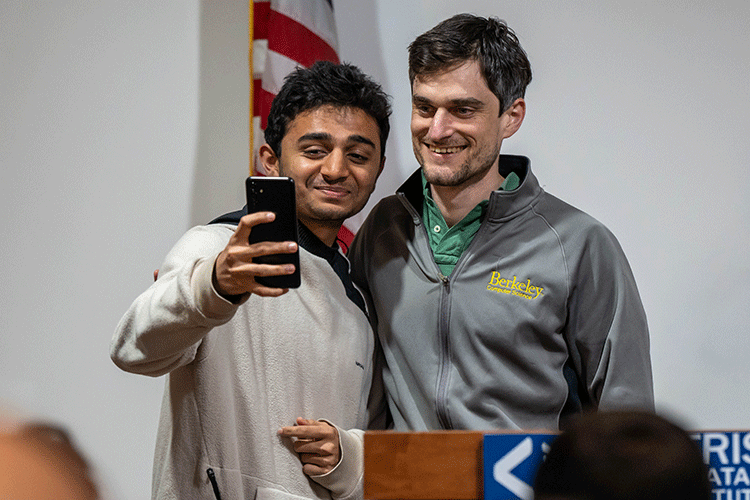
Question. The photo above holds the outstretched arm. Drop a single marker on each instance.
(207, 274)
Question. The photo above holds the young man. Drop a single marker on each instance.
(498, 305)
(243, 360)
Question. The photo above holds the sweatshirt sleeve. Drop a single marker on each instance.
(165, 325)
(346, 480)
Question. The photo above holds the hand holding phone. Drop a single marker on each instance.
(277, 195)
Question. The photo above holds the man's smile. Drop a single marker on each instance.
(445, 149)
(332, 191)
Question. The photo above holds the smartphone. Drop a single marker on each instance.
(275, 194)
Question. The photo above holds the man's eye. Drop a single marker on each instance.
(314, 152)
(358, 158)
(464, 111)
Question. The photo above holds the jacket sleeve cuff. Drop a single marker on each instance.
(347, 478)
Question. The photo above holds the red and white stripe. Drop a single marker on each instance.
(286, 34)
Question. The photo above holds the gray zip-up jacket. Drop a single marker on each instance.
(540, 318)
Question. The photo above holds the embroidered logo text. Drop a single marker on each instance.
(514, 286)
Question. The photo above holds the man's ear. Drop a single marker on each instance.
(269, 160)
(382, 164)
(513, 117)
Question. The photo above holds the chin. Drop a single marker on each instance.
(334, 216)
(441, 176)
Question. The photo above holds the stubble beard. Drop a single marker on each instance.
(465, 173)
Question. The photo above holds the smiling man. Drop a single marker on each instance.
(499, 306)
(329, 191)
(244, 362)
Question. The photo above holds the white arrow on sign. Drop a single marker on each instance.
(501, 470)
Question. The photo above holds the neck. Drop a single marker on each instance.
(326, 233)
(455, 202)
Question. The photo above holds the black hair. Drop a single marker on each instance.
(466, 37)
(622, 455)
(322, 84)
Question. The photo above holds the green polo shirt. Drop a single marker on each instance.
(448, 243)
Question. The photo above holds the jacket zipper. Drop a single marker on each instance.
(441, 398)
(214, 484)
(441, 406)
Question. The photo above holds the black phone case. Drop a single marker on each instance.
(275, 194)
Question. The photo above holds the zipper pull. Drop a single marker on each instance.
(214, 484)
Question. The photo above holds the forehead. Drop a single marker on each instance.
(459, 83)
(340, 123)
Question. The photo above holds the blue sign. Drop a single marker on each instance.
(510, 464)
(727, 455)
(511, 461)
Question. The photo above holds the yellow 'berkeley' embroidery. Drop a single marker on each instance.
(526, 290)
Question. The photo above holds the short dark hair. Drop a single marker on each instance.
(326, 84)
(465, 37)
(623, 455)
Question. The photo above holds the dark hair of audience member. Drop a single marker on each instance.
(622, 455)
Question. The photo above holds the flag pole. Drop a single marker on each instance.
(250, 77)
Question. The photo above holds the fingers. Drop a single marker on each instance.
(320, 447)
(313, 467)
(235, 271)
(247, 222)
(316, 443)
(313, 470)
(234, 275)
(242, 233)
(309, 430)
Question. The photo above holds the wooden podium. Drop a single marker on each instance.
(423, 465)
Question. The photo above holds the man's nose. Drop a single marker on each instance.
(334, 166)
(441, 125)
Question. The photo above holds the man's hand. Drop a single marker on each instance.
(235, 271)
(317, 444)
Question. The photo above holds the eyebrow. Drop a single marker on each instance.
(324, 136)
(467, 101)
(361, 139)
(315, 136)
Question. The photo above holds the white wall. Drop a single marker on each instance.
(99, 108)
(123, 123)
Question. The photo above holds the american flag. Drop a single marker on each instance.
(286, 34)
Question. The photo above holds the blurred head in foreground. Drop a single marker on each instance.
(622, 455)
(39, 462)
